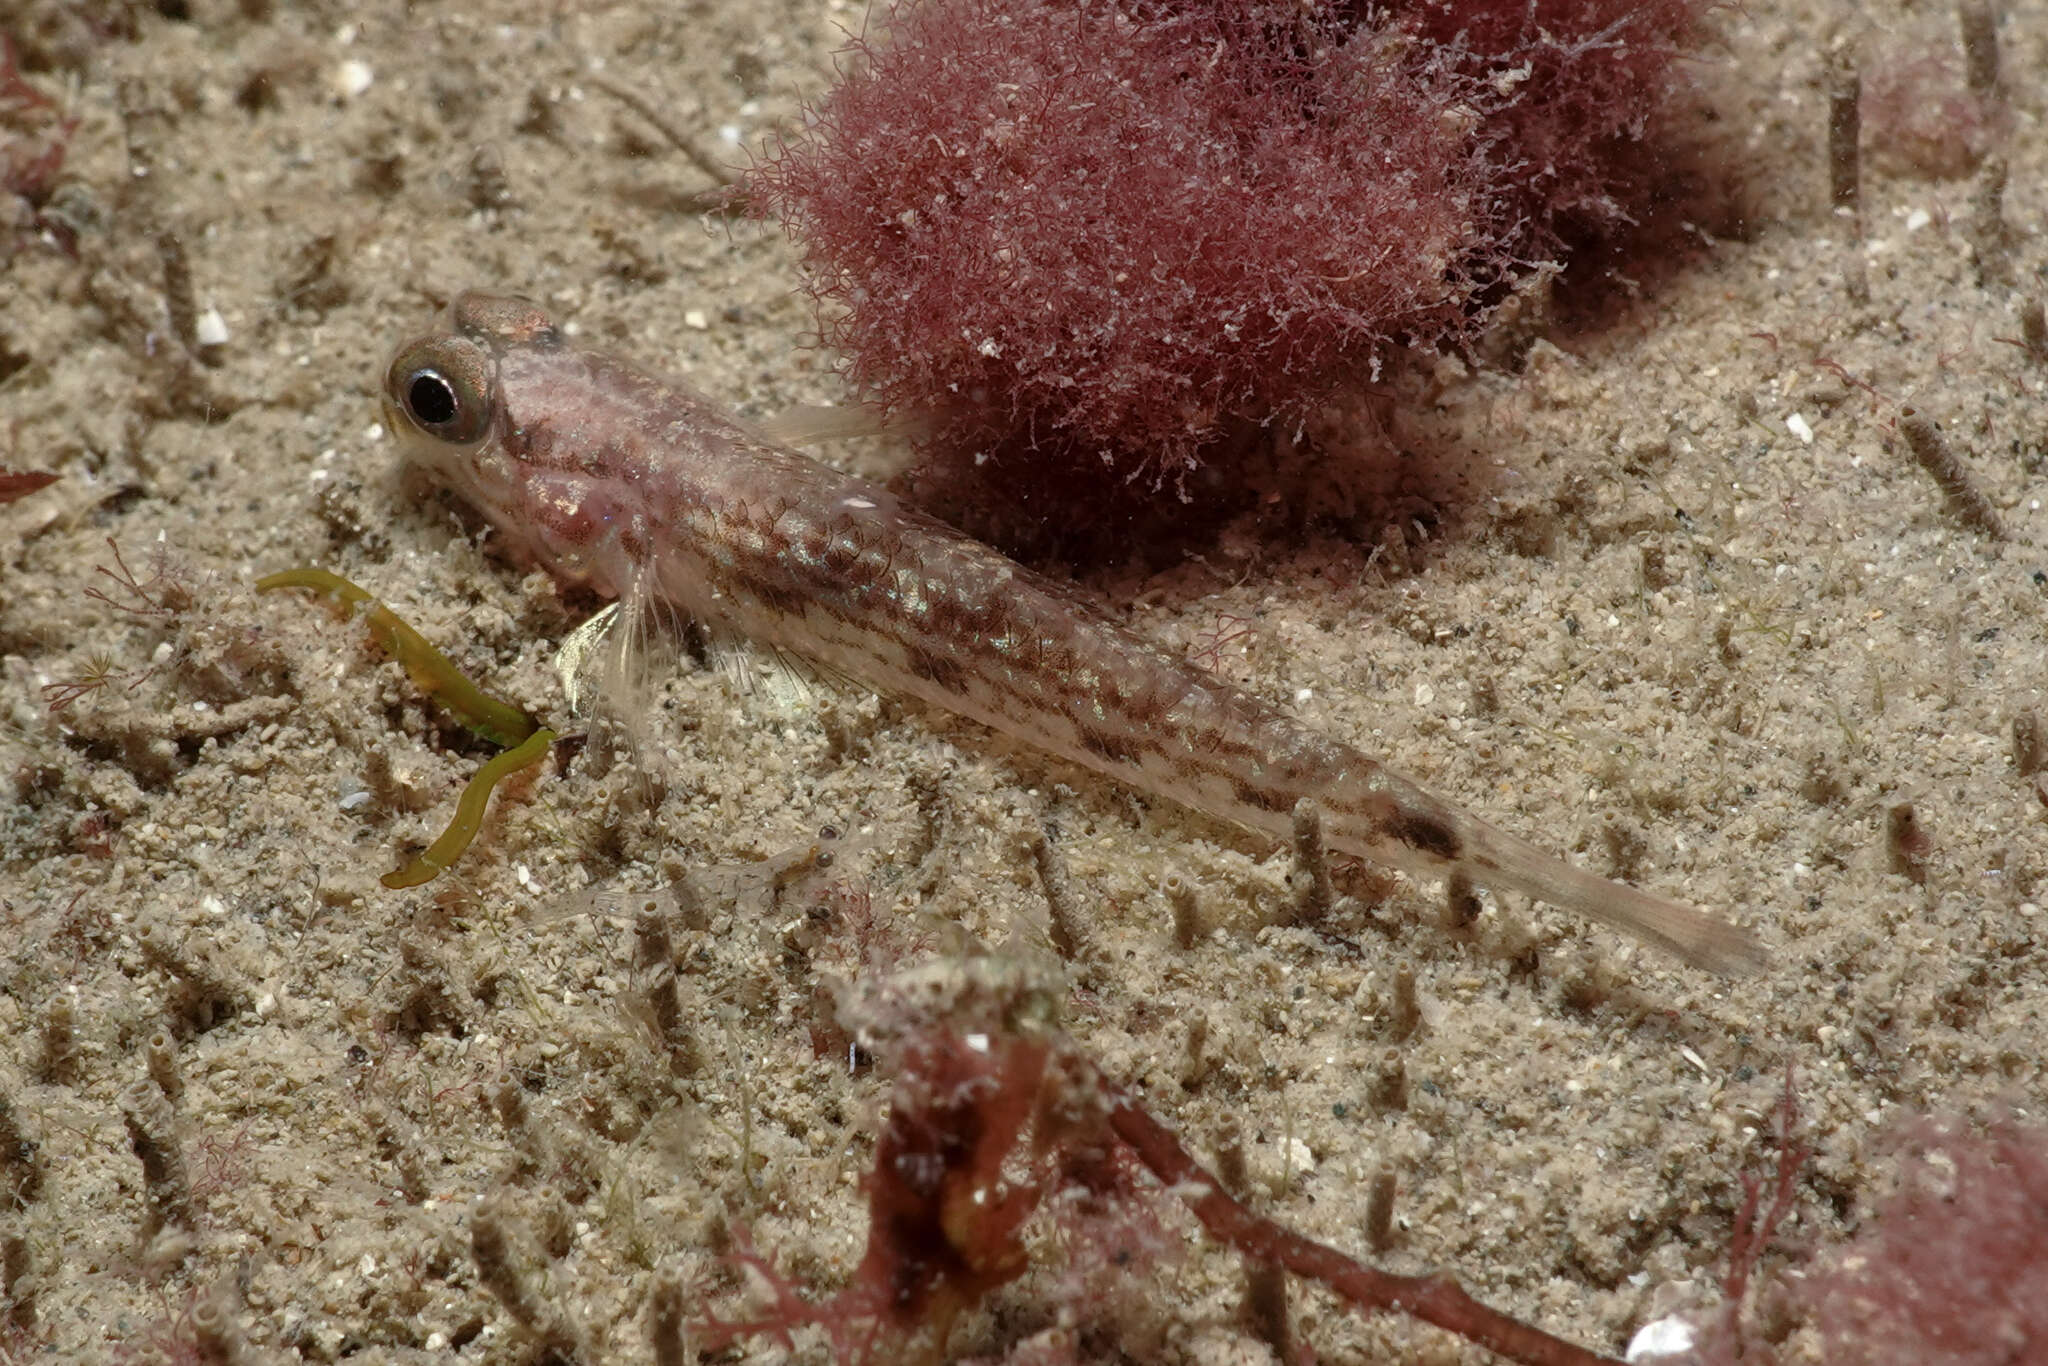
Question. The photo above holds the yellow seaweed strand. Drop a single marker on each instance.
(469, 812)
(431, 671)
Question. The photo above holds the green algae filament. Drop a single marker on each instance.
(469, 812)
(435, 674)
(431, 671)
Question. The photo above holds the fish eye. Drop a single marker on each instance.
(442, 387)
(431, 399)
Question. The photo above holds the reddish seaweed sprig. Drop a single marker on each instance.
(988, 1129)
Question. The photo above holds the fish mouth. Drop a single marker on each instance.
(416, 453)
(452, 465)
(475, 474)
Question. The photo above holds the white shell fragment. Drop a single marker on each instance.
(1659, 1338)
(352, 78)
(210, 329)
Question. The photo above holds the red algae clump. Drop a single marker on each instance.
(1112, 235)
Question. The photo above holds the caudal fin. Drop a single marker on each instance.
(1497, 859)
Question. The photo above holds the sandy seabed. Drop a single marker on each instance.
(1682, 608)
